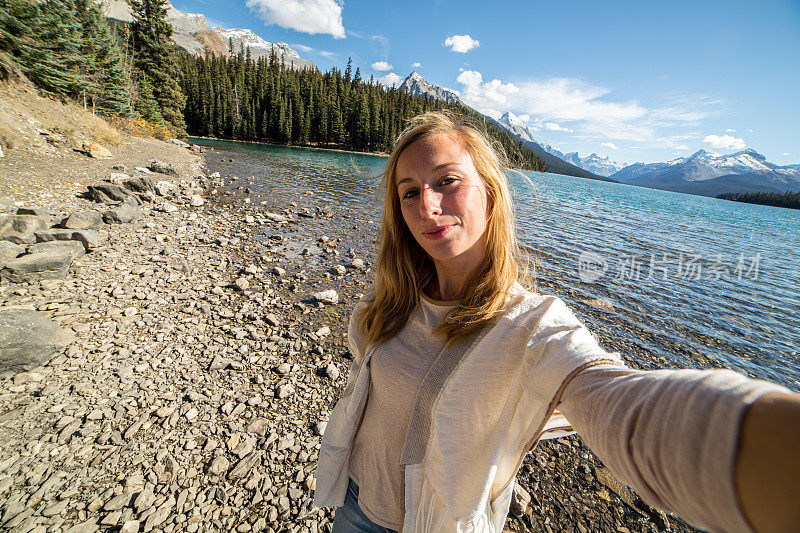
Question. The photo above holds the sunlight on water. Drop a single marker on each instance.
(693, 281)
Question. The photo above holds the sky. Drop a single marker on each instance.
(634, 81)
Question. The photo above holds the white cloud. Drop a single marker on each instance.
(308, 16)
(552, 126)
(309, 50)
(381, 65)
(390, 80)
(682, 147)
(729, 130)
(786, 153)
(461, 43)
(609, 145)
(416, 64)
(524, 118)
(724, 142)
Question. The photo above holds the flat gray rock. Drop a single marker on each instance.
(49, 264)
(107, 193)
(122, 215)
(19, 229)
(90, 239)
(87, 219)
(28, 339)
(74, 247)
(9, 251)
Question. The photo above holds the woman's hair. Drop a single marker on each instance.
(404, 268)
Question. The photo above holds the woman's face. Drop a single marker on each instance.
(443, 200)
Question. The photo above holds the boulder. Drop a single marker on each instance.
(122, 215)
(196, 200)
(39, 212)
(54, 234)
(165, 188)
(97, 151)
(162, 168)
(519, 500)
(90, 239)
(178, 142)
(87, 219)
(107, 193)
(19, 229)
(48, 264)
(75, 248)
(28, 339)
(9, 251)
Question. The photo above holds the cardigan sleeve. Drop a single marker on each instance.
(670, 434)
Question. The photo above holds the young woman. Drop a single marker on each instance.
(458, 372)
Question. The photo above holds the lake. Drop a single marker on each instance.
(667, 279)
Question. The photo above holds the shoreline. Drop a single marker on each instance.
(203, 370)
(318, 148)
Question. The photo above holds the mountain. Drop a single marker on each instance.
(192, 32)
(556, 164)
(416, 85)
(600, 165)
(709, 173)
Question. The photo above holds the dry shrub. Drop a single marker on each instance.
(141, 128)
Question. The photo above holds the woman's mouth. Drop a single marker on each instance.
(438, 233)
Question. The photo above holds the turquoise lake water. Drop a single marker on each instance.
(693, 281)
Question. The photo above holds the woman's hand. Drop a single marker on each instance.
(768, 463)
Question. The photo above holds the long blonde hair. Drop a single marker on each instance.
(403, 268)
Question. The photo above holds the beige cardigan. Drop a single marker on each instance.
(471, 427)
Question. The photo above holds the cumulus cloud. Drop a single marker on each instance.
(461, 43)
(390, 80)
(416, 64)
(609, 145)
(381, 65)
(308, 16)
(724, 142)
(309, 50)
(552, 126)
(682, 147)
(729, 130)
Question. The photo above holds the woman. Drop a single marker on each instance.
(458, 371)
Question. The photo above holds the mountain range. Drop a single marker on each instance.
(192, 32)
(709, 173)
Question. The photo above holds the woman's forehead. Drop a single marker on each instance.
(431, 153)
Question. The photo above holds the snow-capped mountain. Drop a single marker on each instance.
(599, 164)
(556, 161)
(416, 85)
(710, 173)
(192, 32)
(259, 47)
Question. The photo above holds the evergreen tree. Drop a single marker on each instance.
(155, 58)
(146, 104)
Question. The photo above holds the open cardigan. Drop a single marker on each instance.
(471, 427)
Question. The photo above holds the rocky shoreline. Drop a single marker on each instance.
(204, 362)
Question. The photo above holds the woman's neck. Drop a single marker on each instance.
(449, 284)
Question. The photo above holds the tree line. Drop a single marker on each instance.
(787, 199)
(68, 49)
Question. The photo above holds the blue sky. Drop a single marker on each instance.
(636, 81)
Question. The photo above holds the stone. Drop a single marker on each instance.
(123, 214)
(339, 269)
(218, 466)
(131, 526)
(258, 426)
(196, 200)
(87, 219)
(51, 264)
(358, 264)
(332, 371)
(275, 217)
(75, 248)
(162, 168)
(164, 188)
(520, 500)
(140, 183)
(107, 193)
(90, 239)
(166, 207)
(319, 428)
(242, 284)
(243, 467)
(284, 390)
(19, 229)
(278, 271)
(324, 331)
(329, 296)
(39, 212)
(178, 142)
(272, 320)
(9, 251)
(87, 526)
(97, 151)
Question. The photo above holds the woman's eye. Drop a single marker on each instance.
(409, 194)
(448, 181)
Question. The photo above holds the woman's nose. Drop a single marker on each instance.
(430, 203)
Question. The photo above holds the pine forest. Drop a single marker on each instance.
(68, 49)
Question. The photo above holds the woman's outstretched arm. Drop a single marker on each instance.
(676, 435)
(768, 463)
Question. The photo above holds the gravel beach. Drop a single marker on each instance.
(198, 364)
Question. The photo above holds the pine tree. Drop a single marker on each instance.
(155, 59)
(146, 104)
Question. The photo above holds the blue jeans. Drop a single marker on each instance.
(349, 518)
